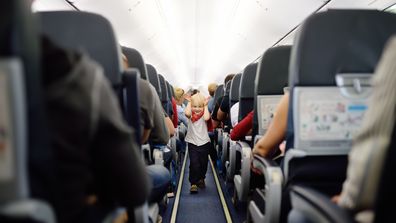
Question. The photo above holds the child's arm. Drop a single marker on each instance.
(206, 113)
(187, 111)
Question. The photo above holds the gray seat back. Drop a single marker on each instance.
(153, 78)
(89, 32)
(272, 76)
(135, 60)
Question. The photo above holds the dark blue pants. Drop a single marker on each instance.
(198, 161)
(160, 178)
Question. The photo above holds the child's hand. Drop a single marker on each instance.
(206, 102)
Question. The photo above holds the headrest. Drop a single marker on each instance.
(164, 89)
(339, 41)
(219, 92)
(153, 78)
(234, 92)
(227, 88)
(135, 60)
(246, 89)
(85, 31)
(170, 90)
(273, 71)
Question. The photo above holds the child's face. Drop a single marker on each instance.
(196, 107)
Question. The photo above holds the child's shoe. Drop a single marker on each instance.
(193, 189)
(201, 183)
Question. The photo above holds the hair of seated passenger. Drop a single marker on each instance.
(179, 92)
(228, 78)
(212, 88)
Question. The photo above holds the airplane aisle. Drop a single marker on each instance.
(205, 206)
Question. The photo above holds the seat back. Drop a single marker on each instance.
(246, 90)
(170, 96)
(153, 79)
(218, 93)
(272, 77)
(96, 37)
(164, 93)
(329, 93)
(89, 32)
(26, 167)
(135, 60)
(344, 48)
(234, 92)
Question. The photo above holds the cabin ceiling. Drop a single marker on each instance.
(194, 42)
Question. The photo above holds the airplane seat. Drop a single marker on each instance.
(246, 99)
(100, 42)
(234, 98)
(227, 125)
(164, 93)
(272, 76)
(135, 60)
(328, 96)
(100, 31)
(218, 132)
(153, 78)
(158, 149)
(234, 91)
(22, 117)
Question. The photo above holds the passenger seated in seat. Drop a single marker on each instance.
(369, 147)
(97, 160)
(243, 128)
(211, 89)
(179, 97)
(268, 145)
(198, 140)
(152, 115)
(217, 122)
(152, 122)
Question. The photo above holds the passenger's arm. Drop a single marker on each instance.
(159, 133)
(116, 156)
(276, 131)
(145, 135)
(243, 127)
(221, 115)
(182, 117)
(169, 125)
(224, 109)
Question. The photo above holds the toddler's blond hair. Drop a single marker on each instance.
(198, 99)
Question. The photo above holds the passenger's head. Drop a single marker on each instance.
(195, 91)
(212, 88)
(179, 94)
(228, 78)
(197, 103)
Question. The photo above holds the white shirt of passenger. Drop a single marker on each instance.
(234, 114)
(197, 132)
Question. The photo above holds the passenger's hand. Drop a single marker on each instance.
(254, 169)
(257, 151)
(335, 198)
(206, 101)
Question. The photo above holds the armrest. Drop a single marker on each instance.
(32, 209)
(273, 188)
(130, 102)
(316, 206)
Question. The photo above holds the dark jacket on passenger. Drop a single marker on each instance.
(94, 148)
